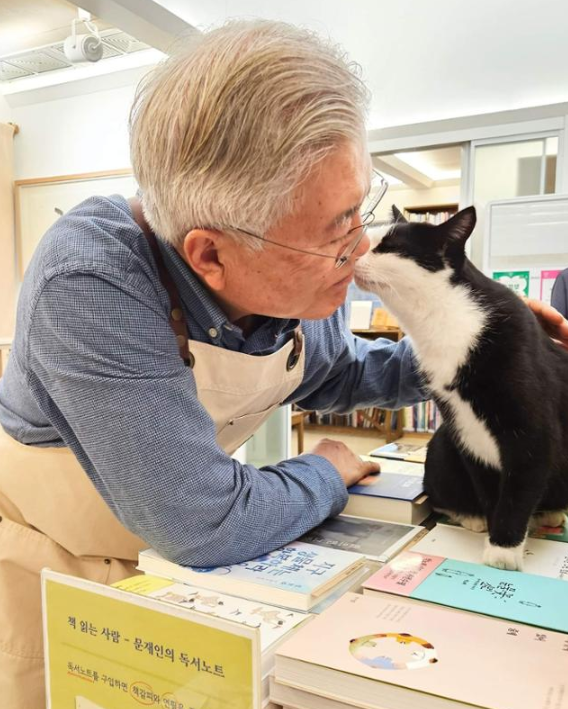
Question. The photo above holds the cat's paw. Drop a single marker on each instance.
(510, 558)
(548, 519)
(475, 524)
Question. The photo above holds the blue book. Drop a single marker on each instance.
(394, 485)
(296, 576)
(394, 497)
(512, 595)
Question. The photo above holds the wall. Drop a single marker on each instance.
(5, 111)
(73, 135)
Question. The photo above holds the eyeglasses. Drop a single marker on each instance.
(378, 189)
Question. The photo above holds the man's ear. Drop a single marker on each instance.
(201, 251)
(397, 215)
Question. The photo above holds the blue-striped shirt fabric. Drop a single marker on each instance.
(95, 366)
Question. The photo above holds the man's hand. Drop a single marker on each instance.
(553, 323)
(349, 466)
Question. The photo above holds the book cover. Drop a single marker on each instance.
(542, 557)
(396, 486)
(296, 573)
(370, 651)
(273, 622)
(392, 465)
(401, 451)
(555, 534)
(376, 539)
(521, 597)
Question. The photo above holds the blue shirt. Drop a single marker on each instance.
(559, 295)
(95, 366)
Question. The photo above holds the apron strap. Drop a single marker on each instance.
(294, 355)
(177, 320)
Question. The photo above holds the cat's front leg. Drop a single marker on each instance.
(509, 522)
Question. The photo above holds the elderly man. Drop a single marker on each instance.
(154, 338)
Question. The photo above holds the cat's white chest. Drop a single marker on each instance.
(443, 338)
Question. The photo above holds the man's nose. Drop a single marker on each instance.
(362, 247)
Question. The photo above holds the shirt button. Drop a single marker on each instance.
(181, 340)
(212, 332)
(177, 314)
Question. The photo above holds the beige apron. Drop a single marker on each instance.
(52, 516)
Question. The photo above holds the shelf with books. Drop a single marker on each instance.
(423, 418)
(370, 421)
(431, 213)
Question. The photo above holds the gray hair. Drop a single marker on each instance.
(223, 133)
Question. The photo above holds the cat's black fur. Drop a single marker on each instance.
(515, 379)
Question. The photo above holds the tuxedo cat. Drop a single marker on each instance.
(501, 455)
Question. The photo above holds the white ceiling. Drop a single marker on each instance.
(423, 60)
(429, 59)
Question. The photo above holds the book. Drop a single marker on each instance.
(286, 696)
(353, 583)
(542, 557)
(296, 576)
(392, 465)
(394, 497)
(409, 452)
(377, 539)
(521, 597)
(273, 623)
(554, 534)
(378, 653)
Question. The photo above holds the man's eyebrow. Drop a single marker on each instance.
(347, 214)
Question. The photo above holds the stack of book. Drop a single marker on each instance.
(298, 576)
(378, 653)
(430, 624)
(371, 610)
(396, 494)
(280, 591)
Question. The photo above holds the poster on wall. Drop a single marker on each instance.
(517, 281)
(547, 279)
(109, 649)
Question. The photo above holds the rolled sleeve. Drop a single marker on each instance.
(348, 372)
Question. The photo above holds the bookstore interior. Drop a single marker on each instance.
(394, 599)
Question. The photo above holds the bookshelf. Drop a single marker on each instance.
(370, 421)
(431, 213)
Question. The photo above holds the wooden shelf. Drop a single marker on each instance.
(342, 429)
(433, 208)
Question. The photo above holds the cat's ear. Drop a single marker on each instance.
(460, 226)
(397, 215)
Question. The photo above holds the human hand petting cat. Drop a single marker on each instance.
(349, 466)
(553, 323)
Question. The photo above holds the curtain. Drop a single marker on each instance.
(7, 237)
